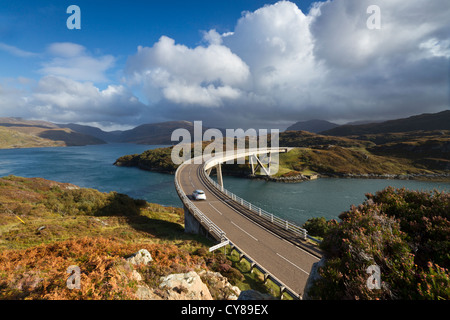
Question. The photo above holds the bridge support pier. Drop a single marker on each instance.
(219, 175)
(282, 290)
(218, 168)
(256, 163)
(191, 224)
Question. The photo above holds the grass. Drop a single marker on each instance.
(65, 225)
(10, 138)
(253, 279)
(340, 160)
(420, 153)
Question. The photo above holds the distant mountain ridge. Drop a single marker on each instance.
(20, 133)
(155, 133)
(150, 133)
(314, 126)
(98, 133)
(425, 122)
(51, 134)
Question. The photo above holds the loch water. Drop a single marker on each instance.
(92, 167)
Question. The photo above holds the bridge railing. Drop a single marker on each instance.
(204, 220)
(285, 224)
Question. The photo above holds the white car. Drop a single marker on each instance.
(199, 195)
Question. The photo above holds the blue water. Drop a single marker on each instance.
(324, 197)
(92, 167)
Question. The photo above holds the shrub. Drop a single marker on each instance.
(317, 227)
(396, 230)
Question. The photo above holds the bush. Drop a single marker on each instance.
(424, 217)
(317, 227)
(396, 230)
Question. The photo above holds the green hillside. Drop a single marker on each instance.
(19, 133)
(412, 155)
(426, 122)
(47, 226)
(15, 139)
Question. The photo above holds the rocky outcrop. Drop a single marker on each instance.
(289, 179)
(185, 286)
(205, 285)
(140, 257)
(219, 286)
(313, 276)
(410, 176)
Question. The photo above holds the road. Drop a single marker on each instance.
(286, 260)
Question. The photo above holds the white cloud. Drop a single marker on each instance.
(64, 99)
(279, 65)
(202, 75)
(435, 48)
(66, 49)
(61, 99)
(72, 61)
(16, 51)
(212, 37)
(276, 42)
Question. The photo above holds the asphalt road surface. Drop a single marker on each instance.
(289, 262)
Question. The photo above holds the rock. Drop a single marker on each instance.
(136, 275)
(254, 295)
(218, 285)
(185, 286)
(140, 257)
(313, 276)
(143, 292)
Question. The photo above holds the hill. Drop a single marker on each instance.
(426, 122)
(72, 134)
(19, 133)
(10, 138)
(47, 226)
(314, 126)
(111, 136)
(150, 133)
(409, 157)
(155, 133)
(309, 139)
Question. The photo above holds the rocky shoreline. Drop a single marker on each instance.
(292, 179)
(302, 178)
(410, 176)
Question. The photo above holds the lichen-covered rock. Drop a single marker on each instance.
(219, 286)
(140, 257)
(185, 286)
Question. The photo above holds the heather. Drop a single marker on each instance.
(406, 233)
(47, 226)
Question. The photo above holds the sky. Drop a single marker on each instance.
(231, 64)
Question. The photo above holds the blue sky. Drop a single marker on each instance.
(114, 27)
(234, 63)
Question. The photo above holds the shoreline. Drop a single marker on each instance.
(437, 177)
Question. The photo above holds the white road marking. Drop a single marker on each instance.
(215, 208)
(244, 231)
(293, 264)
(304, 251)
(190, 180)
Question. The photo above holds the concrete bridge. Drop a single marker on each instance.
(278, 248)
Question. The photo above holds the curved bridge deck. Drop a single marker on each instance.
(282, 254)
